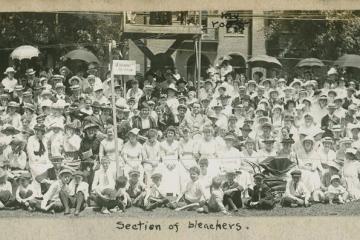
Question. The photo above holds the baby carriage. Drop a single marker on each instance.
(276, 171)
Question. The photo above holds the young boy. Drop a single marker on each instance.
(261, 196)
(215, 203)
(6, 197)
(122, 196)
(232, 192)
(76, 195)
(25, 194)
(336, 192)
(51, 201)
(154, 197)
(194, 195)
(296, 193)
(136, 189)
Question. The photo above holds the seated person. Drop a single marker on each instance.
(76, 194)
(136, 189)
(154, 198)
(194, 194)
(261, 196)
(296, 193)
(6, 196)
(336, 192)
(232, 192)
(25, 194)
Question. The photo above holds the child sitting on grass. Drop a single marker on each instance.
(194, 195)
(154, 197)
(336, 192)
(296, 194)
(232, 192)
(6, 197)
(122, 196)
(136, 189)
(25, 194)
(215, 203)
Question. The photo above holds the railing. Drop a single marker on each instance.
(185, 18)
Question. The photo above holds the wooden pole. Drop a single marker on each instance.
(199, 58)
(114, 111)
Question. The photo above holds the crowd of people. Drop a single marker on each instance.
(177, 145)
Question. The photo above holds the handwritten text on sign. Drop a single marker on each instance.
(124, 67)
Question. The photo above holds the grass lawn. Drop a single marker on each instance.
(347, 209)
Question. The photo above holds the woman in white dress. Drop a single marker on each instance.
(71, 146)
(208, 148)
(170, 167)
(132, 154)
(310, 166)
(350, 172)
(325, 153)
(151, 154)
(107, 148)
(38, 155)
(230, 158)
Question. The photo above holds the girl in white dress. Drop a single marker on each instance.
(151, 154)
(170, 167)
(208, 148)
(230, 158)
(107, 148)
(132, 155)
(186, 153)
(350, 172)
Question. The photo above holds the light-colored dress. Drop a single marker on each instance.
(107, 148)
(151, 155)
(170, 167)
(132, 154)
(350, 173)
(311, 169)
(210, 150)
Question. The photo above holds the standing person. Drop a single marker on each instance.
(260, 196)
(75, 196)
(89, 149)
(296, 194)
(107, 148)
(132, 153)
(350, 172)
(37, 153)
(9, 82)
(151, 154)
(170, 167)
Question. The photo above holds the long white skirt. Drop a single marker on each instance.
(311, 179)
(171, 175)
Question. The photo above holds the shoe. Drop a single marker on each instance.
(115, 209)
(104, 210)
(76, 213)
(200, 210)
(67, 212)
(294, 205)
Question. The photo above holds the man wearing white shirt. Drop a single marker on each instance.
(77, 194)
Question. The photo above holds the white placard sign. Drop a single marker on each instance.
(124, 67)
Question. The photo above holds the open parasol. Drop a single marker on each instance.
(83, 55)
(264, 61)
(348, 60)
(25, 52)
(310, 62)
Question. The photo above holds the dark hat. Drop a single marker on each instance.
(288, 140)
(56, 159)
(268, 140)
(246, 127)
(29, 106)
(10, 130)
(181, 80)
(296, 173)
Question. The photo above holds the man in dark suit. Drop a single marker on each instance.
(329, 119)
(261, 196)
(147, 96)
(348, 100)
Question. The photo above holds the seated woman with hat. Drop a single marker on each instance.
(15, 155)
(13, 117)
(9, 82)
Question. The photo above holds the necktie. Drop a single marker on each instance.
(76, 187)
(106, 179)
(41, 148)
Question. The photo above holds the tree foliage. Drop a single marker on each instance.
(321, 34)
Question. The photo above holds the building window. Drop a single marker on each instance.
(235, 26)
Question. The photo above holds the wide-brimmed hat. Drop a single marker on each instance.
(229, 137)
(9, 69)
(13, 104)
(18, 88)
(172, 87)
(266, 124)
(65, 171)
(148, 87)
(39, 127)
(57, 125)
(25, 175)
(156, 175)
(75, 78)
(59, 85)
(296, 173)
(90, 125)
(30, 71)
(57, 77)
(270, 140)
(327, 139)
(288, 140)
(10, 130)
(134, 131)
(183, 106)
(334, 177)
(246, 127)
(134, 172)
(78, 173)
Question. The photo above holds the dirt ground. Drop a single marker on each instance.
(348, 209)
